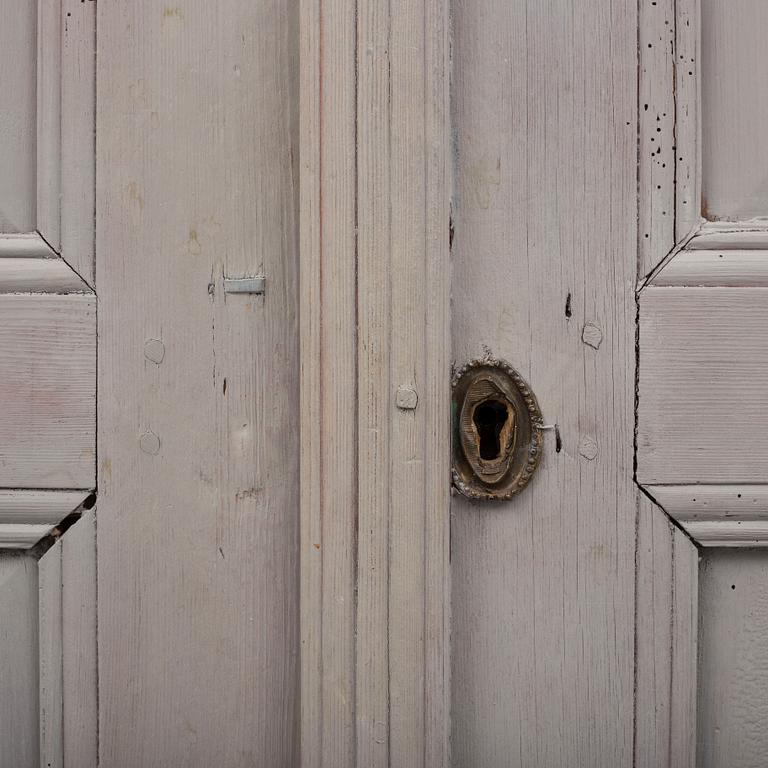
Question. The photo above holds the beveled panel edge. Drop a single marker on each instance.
(727, 515)
(28, 264)
(27, 515)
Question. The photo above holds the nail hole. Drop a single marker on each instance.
(490, 418)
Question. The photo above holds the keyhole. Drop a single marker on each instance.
(490, 418)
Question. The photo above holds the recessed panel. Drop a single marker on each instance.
(733, 659)
(18, 130)
(734, 69)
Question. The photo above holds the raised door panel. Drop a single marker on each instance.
(703, 356)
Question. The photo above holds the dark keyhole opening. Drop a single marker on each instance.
(490, 418)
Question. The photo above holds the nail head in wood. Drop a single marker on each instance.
(406, 398)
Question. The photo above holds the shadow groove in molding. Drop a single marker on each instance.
(29, 265)
(26, 516)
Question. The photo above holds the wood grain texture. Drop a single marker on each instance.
(703, 406)
(66, 103)
(48, 390)
(712, 502)
(78, 643)
(198, 453)
(20, 506)
(689, 202)
(78, 135)
(544, 109)
(734, 108)
(656, 137)
(50, 659)
(328, 386)
(733, 666)
(715, 268)
(743, 235)
(19, 742)
(666, 642)
(48, 170)
(39, 276)
(28, 245)
(718, 515)
(374, 477)
(18, 54)
(669, 113)
(67, 648)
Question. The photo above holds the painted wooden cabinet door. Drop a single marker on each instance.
(47, 385)
(189, 241)
(234, 541)
(607, 238)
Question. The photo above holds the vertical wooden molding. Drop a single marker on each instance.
(656, 132)
(669, 128)
(666, 642)
(688, 198)
(49, 121)
(375, 322)
(78, 135)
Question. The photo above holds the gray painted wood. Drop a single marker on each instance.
(47, 390)
(375, 301)
(666, 642)
(198, 446)
(50, 659)
(18, 56)
(545, 99)
(703, 406)
(734, 108)
(78, 643)
(718, 515)
(733, 698)
(19, 743)
(78, 135)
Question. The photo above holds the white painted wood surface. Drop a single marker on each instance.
(733, 667)
(669, 206)
(715, 268)
(29, 245)
(78, 643)
(543, 619)
(39, 276)
(718, 515)
(690, 205)
(68, 672)
(19, 746)
(716, 235)
(50, 654)
(78, 135)
(66, 161)
(48, 170)
(48, 390)
(734, 108)
(703, 406)
(666, 642)
(198, 398)
(375, 279)
(18, 55)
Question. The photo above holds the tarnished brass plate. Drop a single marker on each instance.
(497, 430)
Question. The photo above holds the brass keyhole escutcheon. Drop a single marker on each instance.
(497, 430)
